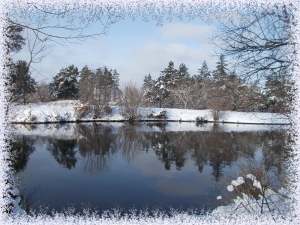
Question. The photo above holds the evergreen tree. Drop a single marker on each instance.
(14, 41)
(104, 85)
(20, 82)
(182, 74)
(204, 72)
(64, 85)
(115, 79)
(86, 84)
(220, 73)
(148, 82)
(169, 75)
(158, 93)
(85, 73)
(278, 92)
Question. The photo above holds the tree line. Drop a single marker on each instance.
(218, 90)
(261, 44)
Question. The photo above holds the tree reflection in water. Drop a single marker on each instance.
(99, 144)
(218, 149)
(19, 149)
(97, 147)
(63, 152)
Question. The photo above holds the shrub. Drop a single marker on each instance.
(254, 192)
(108, 110)
(82, 111)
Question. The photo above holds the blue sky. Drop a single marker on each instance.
(134, 49)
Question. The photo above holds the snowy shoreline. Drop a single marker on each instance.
(145, 121)
(66, 111)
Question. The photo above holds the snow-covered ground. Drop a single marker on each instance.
(67, 110)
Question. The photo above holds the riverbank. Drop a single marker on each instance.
(67, 111)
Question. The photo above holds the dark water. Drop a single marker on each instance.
(109, 165)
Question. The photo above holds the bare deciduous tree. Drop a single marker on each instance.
(260, 41)
(183, 93)
(131, 99)
(42, 93)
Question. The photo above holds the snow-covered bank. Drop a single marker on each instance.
(67, 111)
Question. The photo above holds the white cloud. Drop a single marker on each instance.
(94, 53)
(154, 57)
(177, 31)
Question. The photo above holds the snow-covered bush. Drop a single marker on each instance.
(160, 115)
(254, 193)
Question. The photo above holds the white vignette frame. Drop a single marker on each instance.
(294, 165)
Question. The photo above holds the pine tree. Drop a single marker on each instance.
(64, 85)
(85, 73)
(158, 93)
(204, 72)
(20, 82)
(182, 74)
(116, 79)
(86, 85)
(148, 82)
(169, 75)
(15, 40)
(220, 73)
(168, 80)
(278, 92)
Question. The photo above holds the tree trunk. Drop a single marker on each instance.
(159, 101)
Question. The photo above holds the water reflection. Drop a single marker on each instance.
(138, 163)
(98, 144)
(63, 152)
(20, 147)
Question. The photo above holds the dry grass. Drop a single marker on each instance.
(257, 187)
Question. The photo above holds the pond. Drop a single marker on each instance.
(106, 165)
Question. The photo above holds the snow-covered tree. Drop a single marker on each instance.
(64, 84)
(183, 93)
(158, 93)
(169, 75)
(148, 82)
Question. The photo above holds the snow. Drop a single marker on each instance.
(230, 188)
(255, 182)
(277, 203)
(66, 110)
(238, 181)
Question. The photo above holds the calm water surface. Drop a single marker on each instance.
(158, 165)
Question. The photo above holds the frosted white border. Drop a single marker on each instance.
(159, 7)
